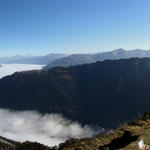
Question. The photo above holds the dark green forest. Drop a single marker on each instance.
(104, 93)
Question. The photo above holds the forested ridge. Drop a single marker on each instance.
(104, 93)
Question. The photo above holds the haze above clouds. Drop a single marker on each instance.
(48, 129)
(8, 69)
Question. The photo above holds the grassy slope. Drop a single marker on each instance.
(124, 138)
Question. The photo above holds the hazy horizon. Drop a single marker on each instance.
(41, 54)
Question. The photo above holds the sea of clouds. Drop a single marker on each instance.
(8, 69)
(48, 129)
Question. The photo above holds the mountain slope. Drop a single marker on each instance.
(71, 60)
(124, 138)
(114, 89)
(121, 53)
(77, 59)
(6, 144)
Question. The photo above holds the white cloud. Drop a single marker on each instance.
(8, 69)
(48, 129)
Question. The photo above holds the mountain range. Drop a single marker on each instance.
(104, 93)
(19, 59)
(77, 59)
(52, 60)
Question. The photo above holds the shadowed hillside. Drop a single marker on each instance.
(104, 93)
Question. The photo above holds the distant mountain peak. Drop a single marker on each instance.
(119, 49)
(76, 59)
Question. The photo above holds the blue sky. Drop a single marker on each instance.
(73, 26)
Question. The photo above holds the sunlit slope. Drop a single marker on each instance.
(126, 137)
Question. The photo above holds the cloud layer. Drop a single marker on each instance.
(8, 69)
(49, 129)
